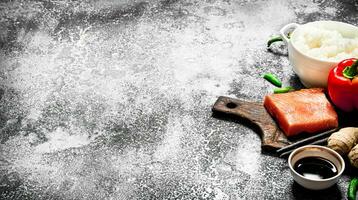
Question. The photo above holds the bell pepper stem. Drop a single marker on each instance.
(351, 71)
(355, 65)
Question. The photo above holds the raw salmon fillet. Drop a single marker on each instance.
(306, 110)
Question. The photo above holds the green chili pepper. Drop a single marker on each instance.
(276, 39)
(272, 79)
(352, 189)
(282, 90)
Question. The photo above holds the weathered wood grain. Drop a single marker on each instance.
(271, 135)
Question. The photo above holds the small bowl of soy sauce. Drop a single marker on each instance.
(316, 167)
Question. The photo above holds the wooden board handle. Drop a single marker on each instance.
(272, 137)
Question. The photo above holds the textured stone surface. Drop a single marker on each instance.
(111, 99)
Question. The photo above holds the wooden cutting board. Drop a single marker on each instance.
(255, 113)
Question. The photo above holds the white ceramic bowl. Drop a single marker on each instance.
(313, 72)
(316, 151)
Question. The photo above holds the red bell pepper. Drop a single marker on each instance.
(343, 85)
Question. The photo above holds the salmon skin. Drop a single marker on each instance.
(305, 110)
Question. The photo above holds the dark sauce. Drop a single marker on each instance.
(316, 168)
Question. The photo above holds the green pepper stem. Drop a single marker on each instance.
(351, 71)
(355, 65)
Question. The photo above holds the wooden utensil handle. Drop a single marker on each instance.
(272, 136)
(249, 110)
